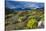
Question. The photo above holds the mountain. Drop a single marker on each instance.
(22, 5)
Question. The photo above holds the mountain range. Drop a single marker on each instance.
(22, 5)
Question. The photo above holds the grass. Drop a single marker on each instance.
(34, 16)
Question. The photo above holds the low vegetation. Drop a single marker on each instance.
(25, 20)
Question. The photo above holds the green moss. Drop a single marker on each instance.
(32, 23)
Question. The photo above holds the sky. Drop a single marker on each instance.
(28, 0)
(23, 4)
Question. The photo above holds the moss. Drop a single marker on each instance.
(32, 23)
